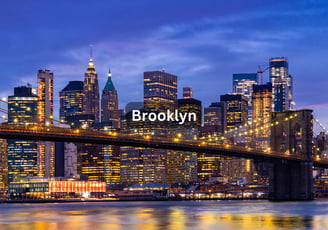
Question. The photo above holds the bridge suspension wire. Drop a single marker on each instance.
(248, 129)
(26, 110)
(321, 125)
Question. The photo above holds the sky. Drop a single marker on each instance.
(202, 42)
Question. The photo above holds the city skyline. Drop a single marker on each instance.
(203, 44)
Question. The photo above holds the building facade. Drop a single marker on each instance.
(236, 110)
(160, 91)
(262, 108)
(91, 92)
(22, 154)
(71, 100)
(282, 84)
(46, 149)
(109, 104)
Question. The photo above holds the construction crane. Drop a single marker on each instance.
(260, 73)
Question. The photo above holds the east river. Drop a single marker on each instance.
(172, 215)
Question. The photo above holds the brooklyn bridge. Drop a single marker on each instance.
(291, 171)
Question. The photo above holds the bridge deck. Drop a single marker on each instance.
(28, 132)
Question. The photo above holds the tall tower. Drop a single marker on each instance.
(160, 91)
(262, 108)
(282, 84)
(109, 103)
(236, 110)
(71, 100)
(243, 84)
(22, 154)
(91, 92)
(46, 149)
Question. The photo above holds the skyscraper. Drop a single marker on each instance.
(282, 84)
(243, 84)
(71, 100)
(22, 154)
(109, 103)
(46, 149)
(110, 118)
(215, 118)
(160, 91)
(262, 107)
(237, 110)
(91, 92)
(191, 105)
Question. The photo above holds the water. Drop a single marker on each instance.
(171, 215)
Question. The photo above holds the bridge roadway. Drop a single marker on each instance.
(28, 132)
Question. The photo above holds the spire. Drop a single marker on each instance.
(91, 66)
(109, 84)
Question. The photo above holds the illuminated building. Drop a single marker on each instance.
(140, 165)
(46, 188)
(71, 100)
(262, 107)
(208, 165)
(191, 105)
(282, 85)
(237, 168)
(91, 92)
(3, 166)
(91, 162)
(182, 165)
(160, 91)
(239, 78)
(109, 103)
(187, 92)
(243, 84)
(236, 110)
(215, 118)
(46, 149)
(22, 154)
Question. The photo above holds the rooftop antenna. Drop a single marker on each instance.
(91, 50)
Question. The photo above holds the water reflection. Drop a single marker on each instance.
(166, 215)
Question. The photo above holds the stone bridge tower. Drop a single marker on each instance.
(291, 133)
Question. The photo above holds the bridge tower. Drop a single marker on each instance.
(291, 133)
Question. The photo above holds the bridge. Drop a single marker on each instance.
(290, 154)
(291, 173)
(56, 134)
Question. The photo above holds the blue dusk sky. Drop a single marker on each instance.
(202, 42)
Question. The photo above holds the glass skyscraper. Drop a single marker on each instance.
(71, 100)
(46, 149)
(160, 91)
(282, 84)
(22, 154)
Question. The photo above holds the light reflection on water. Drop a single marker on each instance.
(166, 215)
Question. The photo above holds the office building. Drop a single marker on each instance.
(160, 91)
(215, 118)
(282, 84)
(243, 84)
(236, 110)
(191, 105)
(22, 154)
(109, 104)
(262, 107)
(46, 149)
(71, 100)
(91, 92)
